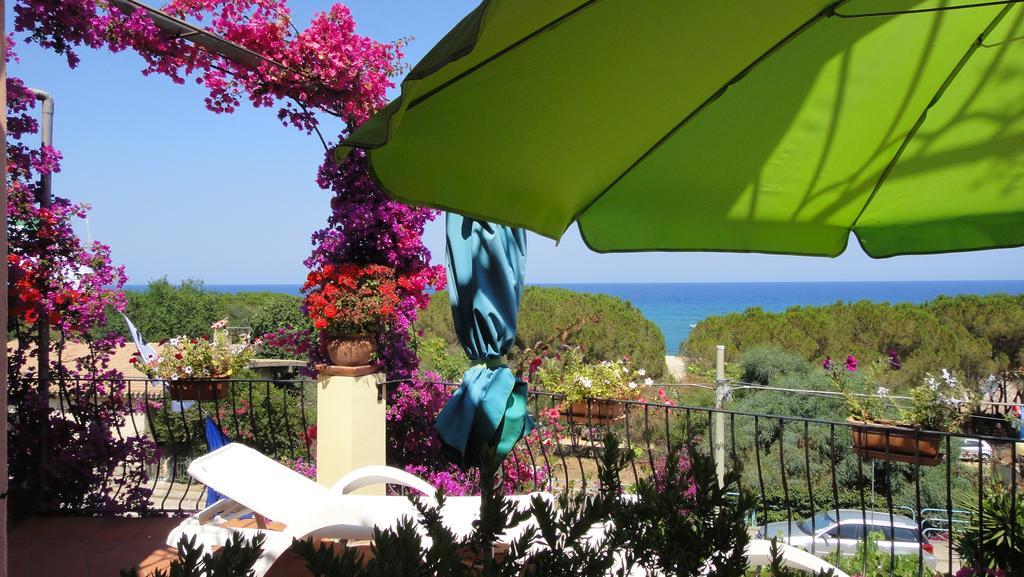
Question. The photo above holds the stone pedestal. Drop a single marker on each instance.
(350, 427)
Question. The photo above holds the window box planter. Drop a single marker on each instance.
(198, 389)
(885, 442)
(597, 412)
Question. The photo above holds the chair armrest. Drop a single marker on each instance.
(374, 474)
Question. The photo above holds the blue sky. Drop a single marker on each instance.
(182, 192)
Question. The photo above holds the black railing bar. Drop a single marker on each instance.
(981, 494)
(561, 455)
(252, 422)
(647, 441)
(575, 437)
(807, 471)
(949, 500)
(863, 507)
(760, 473)
(888, 502)
(735, 457)
(174, 457)
(833, 454)
(287, 426)
(543, 450)
(156, 439)
(188, 443)
(668, 433)
(1013, 495)
(711, 440)
(120, 437)
(135, 427)
(785, 482)
(917, 504)
(544, 455)
(306, 439)
(629, 445)
(271, 448)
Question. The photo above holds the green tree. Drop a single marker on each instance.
(607, 327)
(974, 335)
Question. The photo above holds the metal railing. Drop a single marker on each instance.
(795, 466)
(275, 417)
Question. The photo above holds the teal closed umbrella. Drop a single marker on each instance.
(486, 267)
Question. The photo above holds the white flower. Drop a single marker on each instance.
(648, 382)
(175, 342)
(188, 370)
(174, 376)
(632, 385)
(625, 370)
(932, 383)
(882, 392)
(641, 372)
(586, 382)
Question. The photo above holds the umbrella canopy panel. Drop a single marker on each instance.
(707, 125)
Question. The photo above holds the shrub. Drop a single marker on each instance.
(266, 416)
(971, 335)
(765, 365)
(609, 327)
(870, 562)
(998, 544)
(235, 559)
(667, 528)
(568, 375)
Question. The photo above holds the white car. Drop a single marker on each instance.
(976, 449)
(825, 533)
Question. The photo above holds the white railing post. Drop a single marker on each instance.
(721, 392)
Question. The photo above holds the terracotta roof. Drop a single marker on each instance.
(74, 350)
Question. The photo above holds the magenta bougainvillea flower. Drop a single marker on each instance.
(851, 363)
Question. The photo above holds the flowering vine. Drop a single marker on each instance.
(326, 68)
(54, 277)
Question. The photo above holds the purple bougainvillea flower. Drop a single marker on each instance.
(827, 363)
(894, 360)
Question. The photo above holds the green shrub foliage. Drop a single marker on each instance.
(608, 327)
(994, 539)
(163, 311)
(973, 335)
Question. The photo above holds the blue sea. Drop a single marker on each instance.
(676, 307)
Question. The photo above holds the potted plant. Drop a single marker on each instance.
(350, 304)
(195, 368)
(900, 429)
(590, 390)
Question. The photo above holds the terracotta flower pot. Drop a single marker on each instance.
(889, 442)
(599, 412)
(354, 351)
(198, 389)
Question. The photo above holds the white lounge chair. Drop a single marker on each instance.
(759, 553)
(300, 508)
(255, 484)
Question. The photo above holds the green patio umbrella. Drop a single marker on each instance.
(736, 125)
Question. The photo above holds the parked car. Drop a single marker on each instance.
(825, 533)
(976, 449)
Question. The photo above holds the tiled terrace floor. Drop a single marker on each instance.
(100, 547)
